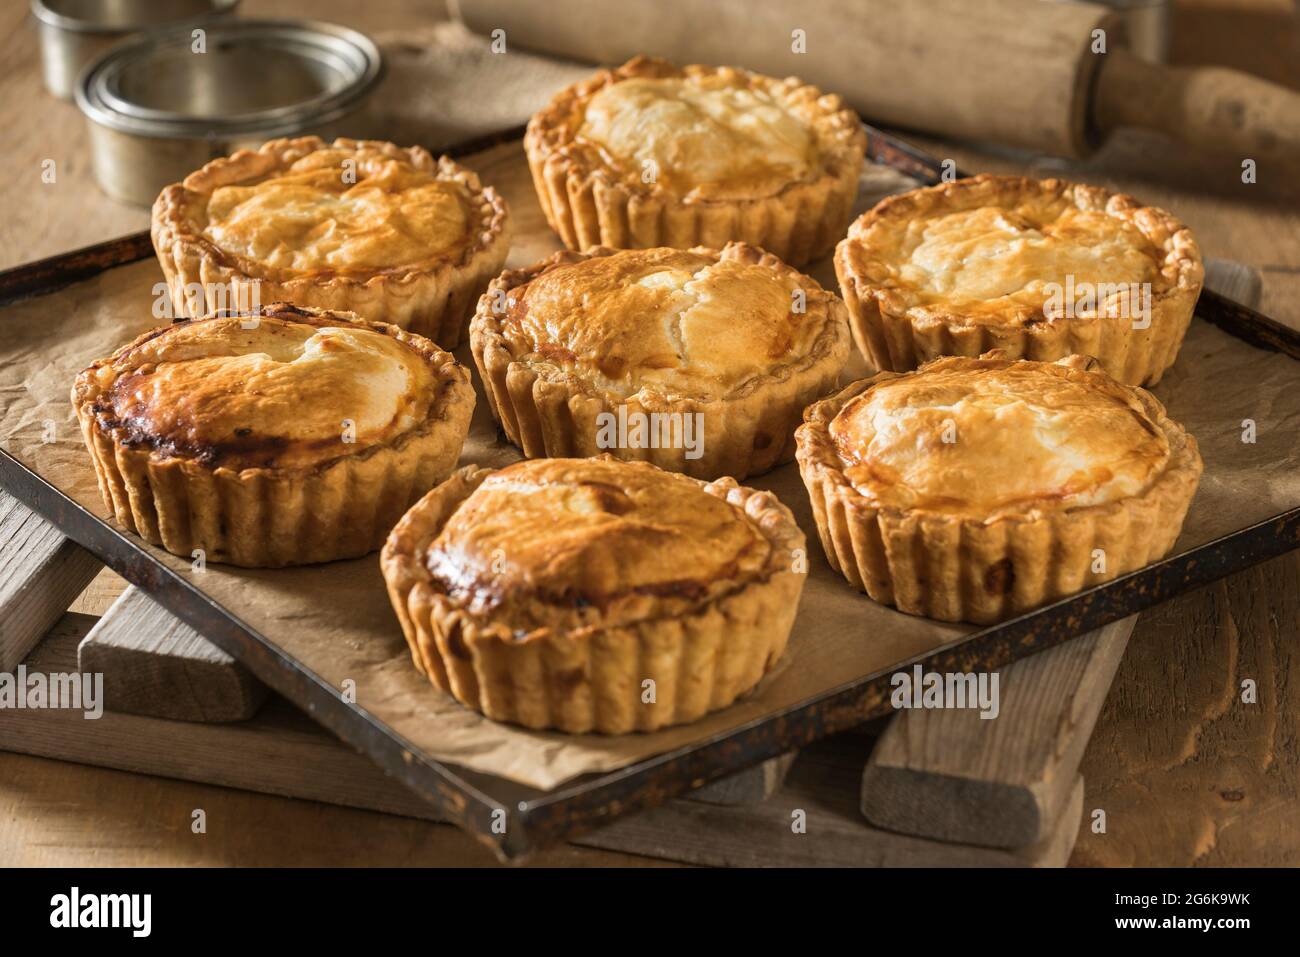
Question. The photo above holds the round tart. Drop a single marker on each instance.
(1038, 268)
(650, 154)
(976, 489)
(593, 594)
(277, 438)
(390, 234)
(695, 360)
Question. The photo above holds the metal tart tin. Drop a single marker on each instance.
(158, 110)
(74, 32)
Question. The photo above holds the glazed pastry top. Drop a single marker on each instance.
(548, 539)
(979, 260)
(1005, 249)
(983, 437)
(290, 389)
(711, 136)
(686, 322)
(700, 133)
(337, 210)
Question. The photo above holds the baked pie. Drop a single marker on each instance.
(694, 360)
(1038, 268)
(361, 226)
(650, 154)
(286, 436)
(976, 489)
(594, 594)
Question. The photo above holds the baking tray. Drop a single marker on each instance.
(482, 803)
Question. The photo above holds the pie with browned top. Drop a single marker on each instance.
(355, 225)
(1040, 269)
(280, 437)
(695, 360)
(651, 154)
(594, 594)
(976, 489)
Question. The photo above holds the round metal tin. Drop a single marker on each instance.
(74, 32)
(161, 104)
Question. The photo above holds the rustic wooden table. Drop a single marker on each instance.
(1186, 773)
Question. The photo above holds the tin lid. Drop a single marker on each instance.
(124, 16)
(241, 78)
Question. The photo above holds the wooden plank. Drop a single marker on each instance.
(281, 751)
(155, 664)
(821, 790)
(58, 814)
(100, 594)
(41, 572)
(954, 776)
(749, 786)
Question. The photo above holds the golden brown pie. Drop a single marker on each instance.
(288, 436)
(1038, 268)
(594, 594)
(650, 154)
(361, 226)
(976, 489)
(694, 360)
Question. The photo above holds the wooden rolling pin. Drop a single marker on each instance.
(1018, 72)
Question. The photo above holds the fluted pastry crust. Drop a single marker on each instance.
(547, 593)
(736, 340)
(964, 267)
(290, 436)
(651, 154)
(977, 489)
(355, 225)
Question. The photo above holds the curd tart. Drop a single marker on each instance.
(976, 489)
(1040, 269)
(694, 360)
(361, 226)
(286, 436)
(651, 154)
(594, 595)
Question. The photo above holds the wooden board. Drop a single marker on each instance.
(954, 776)
(821, 791)
(1195, 759)
(283, 752)
(41, 572)
(155, 664)
(751, 786)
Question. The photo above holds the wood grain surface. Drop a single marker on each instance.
(955, 776)
(155, 664)
(1185, 772)
(41, 572)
